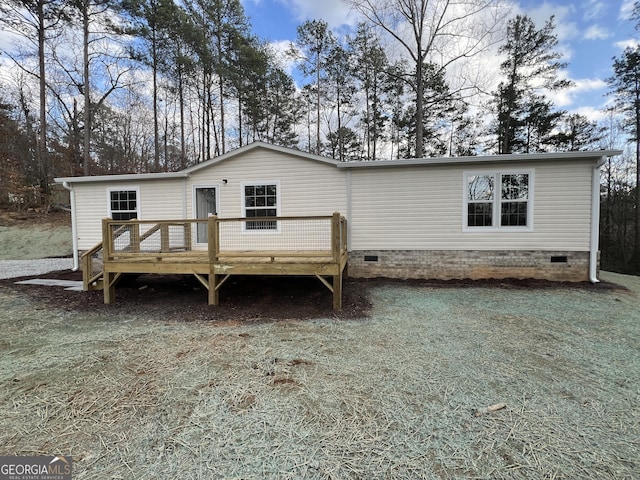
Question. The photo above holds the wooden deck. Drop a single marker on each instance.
(216, 248)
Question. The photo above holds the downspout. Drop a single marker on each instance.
(74, 226)
(595, 221)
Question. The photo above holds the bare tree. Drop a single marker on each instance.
(34, 21)
(435, 32)
(102, 68)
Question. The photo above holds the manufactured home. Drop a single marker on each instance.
(502, 216)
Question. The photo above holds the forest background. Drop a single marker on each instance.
(94, 87)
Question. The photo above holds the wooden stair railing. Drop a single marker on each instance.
(92, 275)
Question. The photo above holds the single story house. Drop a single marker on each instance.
(501, 216)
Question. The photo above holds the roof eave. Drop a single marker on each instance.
(267, 146)
(528, 157)
(128, 177)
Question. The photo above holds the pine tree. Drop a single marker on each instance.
(625, 87)
(370, 66)
(315, 42)
(531, 67)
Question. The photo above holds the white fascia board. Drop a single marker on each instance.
(266, 146)
(521, 157)
(122, 178)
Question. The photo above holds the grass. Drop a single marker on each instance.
(393, 396)
(24, 242)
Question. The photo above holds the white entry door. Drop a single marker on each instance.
(205, 202)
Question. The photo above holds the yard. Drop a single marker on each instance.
(271, 384)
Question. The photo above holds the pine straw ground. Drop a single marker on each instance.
(398, 394)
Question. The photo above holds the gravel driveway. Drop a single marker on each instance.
(23, 268)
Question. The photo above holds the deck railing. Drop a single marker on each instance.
(141, 237)
(92, 268)
(215, 248)
(226, 237)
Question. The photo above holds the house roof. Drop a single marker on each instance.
(505, 158)
(510, 158)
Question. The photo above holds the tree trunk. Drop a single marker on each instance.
(43, 159)
(86, 158)
(419, 108)
(318, 107)
(183, 152)
(156, 128)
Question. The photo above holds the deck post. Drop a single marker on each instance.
(134, 241)
(213, 238)
(214, 292)
(213, 241)
(109, 287)
(336, 249)
(164, 238)
(187, 236)
(337, 291)
(107, 247)
(335, 237)
(87, 271)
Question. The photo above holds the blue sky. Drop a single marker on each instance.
(591, 33)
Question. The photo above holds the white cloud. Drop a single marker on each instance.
(335, 12)
(630, 43)
(567, 97)
(593, 114)
(279, 49)
(626, 9)
(596, 32)
(593, 9)
(566, 29)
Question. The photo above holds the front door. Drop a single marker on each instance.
(205, 201)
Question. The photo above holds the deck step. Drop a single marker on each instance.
(97, 285)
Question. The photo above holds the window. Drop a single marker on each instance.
(497, 200)
(261, 201)
(123, 204)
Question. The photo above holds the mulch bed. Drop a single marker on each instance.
(183, 298)
(246, 298)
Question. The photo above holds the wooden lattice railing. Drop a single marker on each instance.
(216, 240)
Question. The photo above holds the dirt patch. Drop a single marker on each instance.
(34, 218)
(182, 298)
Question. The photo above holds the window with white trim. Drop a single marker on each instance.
(498, 200)
(261, 200)
(123, 204)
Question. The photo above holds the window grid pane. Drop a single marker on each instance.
(508, 208)
(480, 187)
(515, 187)
(261, 201)
(124, 204)
(480, 214)
(514, 214)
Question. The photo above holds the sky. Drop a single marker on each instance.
(590, 34)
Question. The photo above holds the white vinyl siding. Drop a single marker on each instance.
(306, 187)
(156, 200)
(418, 208)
